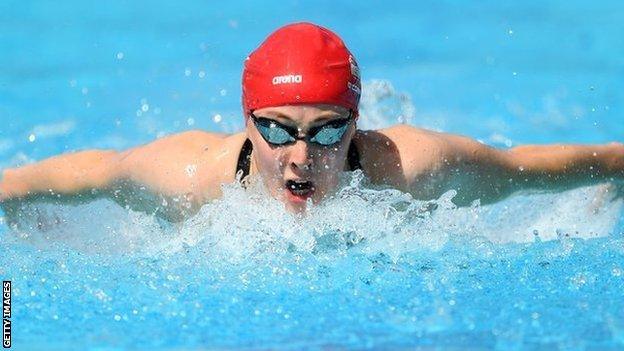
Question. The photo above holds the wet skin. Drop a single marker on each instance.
(186, 170)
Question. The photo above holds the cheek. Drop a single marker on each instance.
(330, 159)
(270, 160)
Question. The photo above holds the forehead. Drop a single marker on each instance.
(303, 113)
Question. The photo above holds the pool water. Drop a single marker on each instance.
(370, 269)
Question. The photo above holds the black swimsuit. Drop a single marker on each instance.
(244, 158)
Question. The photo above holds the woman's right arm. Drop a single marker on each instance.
(170, 177)
(86, 173)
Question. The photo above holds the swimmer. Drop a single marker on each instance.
(300, 94)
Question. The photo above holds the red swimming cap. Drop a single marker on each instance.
(301, 63)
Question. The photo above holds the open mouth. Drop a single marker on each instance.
(301, 189)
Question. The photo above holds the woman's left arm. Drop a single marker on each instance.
(478, 171)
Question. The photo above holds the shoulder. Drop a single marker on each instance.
(183, 162)
(403, 155)
(392, 155)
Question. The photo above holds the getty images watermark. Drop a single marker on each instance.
(6, 314)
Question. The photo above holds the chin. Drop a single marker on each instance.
(298, 204)
(296, 209)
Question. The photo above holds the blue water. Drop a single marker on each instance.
(372, 269)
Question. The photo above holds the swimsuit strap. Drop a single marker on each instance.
(353, 157)
(244, 158)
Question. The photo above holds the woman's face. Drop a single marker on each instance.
(297, 171)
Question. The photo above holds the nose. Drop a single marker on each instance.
(300, 157)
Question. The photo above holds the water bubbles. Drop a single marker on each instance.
(145, 107)
(201, 74)
(32, 138)
(190, 121)
(217, 118)
(579, 279)
(84, 91)
(419, 267)
(223, 92)
(191, 170)
(187, 72)
(510, 32)
(382, 105)
(119, 56)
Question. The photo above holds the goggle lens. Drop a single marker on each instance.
(278, 134)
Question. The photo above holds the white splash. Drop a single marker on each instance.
(248, 225)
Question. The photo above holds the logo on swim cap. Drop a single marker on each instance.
(287, 79)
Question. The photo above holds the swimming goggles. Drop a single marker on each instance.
(278, 134)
